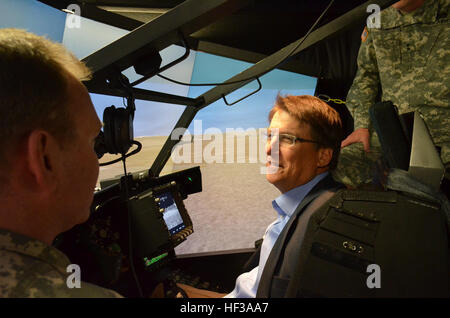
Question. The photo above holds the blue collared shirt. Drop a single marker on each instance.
(284, 205)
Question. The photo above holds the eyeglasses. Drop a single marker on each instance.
(287, 140)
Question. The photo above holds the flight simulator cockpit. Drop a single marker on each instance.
(138, 219)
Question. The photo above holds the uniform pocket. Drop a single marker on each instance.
(387, 50)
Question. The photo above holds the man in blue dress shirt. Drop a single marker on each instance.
(303, 145)
(307, 143)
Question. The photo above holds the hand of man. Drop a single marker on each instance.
(190, 291)
(193, 292)
(359, 135)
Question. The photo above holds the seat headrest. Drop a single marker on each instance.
(425, 163)
(407, 144)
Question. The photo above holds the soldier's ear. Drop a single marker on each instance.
(43, 156)
(324, 157)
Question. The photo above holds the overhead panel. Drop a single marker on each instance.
(167, 29)
(143, 15)
(261, 68)
(159, 33)
(184, 20)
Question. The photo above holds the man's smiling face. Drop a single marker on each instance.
(297, 164)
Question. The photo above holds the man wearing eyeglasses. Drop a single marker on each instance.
(303, 144)
(307, 143)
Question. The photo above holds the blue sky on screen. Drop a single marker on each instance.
(33, 16)
(251, 112)
(158, 119)
(151, 118)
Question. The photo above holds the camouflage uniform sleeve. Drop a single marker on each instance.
(366, 85)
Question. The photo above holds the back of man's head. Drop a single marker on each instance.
(48, 125)
(33, 89)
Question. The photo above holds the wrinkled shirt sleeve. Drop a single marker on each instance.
(366, 85)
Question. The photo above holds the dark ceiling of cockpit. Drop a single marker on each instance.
(257, 29)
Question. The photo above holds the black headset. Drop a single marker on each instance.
(117, 129)
(117, 135)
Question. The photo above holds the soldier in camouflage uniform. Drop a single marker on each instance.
(31, 268)
(406, 61)
(48, 166)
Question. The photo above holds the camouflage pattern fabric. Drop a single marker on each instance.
(31, 268)
(406, 61)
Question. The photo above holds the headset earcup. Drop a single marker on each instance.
(123, 129)
(109, 129)
(118, 129)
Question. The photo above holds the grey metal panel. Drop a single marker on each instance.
(148, 95)
(425, 163)
(159, 33)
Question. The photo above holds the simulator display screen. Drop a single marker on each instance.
(171, 215)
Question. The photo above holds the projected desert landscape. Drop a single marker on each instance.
(234, 208)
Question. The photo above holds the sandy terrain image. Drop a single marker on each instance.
(234, 208)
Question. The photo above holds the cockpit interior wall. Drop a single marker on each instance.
(334, 60)
(337, 59)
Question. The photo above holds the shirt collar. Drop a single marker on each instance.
(286, 203)
(427, 13)
(21, 244)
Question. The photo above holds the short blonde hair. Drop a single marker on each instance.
(34, 74)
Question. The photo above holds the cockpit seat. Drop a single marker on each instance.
(393, 242)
